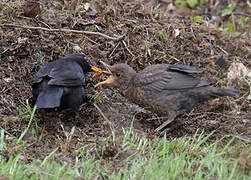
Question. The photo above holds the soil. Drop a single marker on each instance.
(153, 32)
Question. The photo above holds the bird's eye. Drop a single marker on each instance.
(118, 74)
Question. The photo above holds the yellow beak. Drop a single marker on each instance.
(109, 80)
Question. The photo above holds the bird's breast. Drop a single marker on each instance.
(160, 103)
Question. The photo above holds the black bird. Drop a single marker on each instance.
(168, 90)
(61, 83)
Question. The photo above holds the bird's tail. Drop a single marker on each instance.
(209, 92)
(219, 92)
(47, 96)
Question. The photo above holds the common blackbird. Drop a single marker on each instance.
(167, 90)
(61, 83)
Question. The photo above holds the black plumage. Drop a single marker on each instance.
(61, 83)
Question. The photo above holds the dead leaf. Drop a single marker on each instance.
(21, 40)
(76, 48)
(7, 79)
(238, 70)
(177, 32)
(87, 6)
(31, 9)
(170, 7)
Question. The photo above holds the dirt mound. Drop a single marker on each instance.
(140, 33)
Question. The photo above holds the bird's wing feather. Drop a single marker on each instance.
(159, 78)
(184, 68)
(43, 71)
(62, 72)
(49, 96)
(72, 76)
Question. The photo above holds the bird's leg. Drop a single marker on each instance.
(171, 117)
(164, 125)
(170, 129)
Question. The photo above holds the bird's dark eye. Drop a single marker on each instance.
(118, 74)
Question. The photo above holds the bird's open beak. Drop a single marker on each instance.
(107, 66)
(110, 79)
(107, 82)
(99, 71)
(96, 70)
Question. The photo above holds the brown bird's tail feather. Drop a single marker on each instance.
(218, 92)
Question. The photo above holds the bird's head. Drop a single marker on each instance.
(121, 75)
(86, 65)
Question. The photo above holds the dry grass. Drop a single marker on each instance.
(150, 37)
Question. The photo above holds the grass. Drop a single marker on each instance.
(137, 157)
(127, 155)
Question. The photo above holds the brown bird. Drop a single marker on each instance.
(167, 90)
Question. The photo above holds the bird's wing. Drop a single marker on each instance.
(158, 78)
(43, 71)
(62, 73)
(73, 75)
(184, 68)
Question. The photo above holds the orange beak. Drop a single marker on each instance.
(99, 71)
(96, 70)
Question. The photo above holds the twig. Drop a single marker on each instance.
(222, 50)
(192, 32)
(7, 132)
(213, 113)
(36, 19)
(174, 58)
(128, 49)
(102, 114)
(65, 30)
(155, 118)
(43, 23)
(114, 49)
(91, 40)
(242, 14)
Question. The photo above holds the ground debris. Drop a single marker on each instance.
(137, 32)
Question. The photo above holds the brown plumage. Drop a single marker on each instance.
(167, 90)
